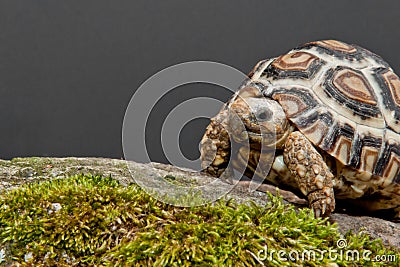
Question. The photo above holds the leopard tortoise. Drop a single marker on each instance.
(331, 111)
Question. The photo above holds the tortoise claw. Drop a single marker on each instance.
(317, 213)
(322, 207)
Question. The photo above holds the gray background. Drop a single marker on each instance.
(69, 68)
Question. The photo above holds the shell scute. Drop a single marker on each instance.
(295, 65)
(349, 92)
(334, 48)
(389, 86)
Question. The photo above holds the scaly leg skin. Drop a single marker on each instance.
(311, 173)
(215, 148)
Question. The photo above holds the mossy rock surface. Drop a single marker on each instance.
(91, 219)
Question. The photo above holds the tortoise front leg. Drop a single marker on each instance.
(215, 147)
(311, 173)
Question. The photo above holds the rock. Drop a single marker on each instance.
(2, 255)
(12, 176)
(54, 208)
(388, 231)
(28, 257)
(27, 172)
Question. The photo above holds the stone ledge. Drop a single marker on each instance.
(20, 171)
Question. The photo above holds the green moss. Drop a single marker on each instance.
(105, 224)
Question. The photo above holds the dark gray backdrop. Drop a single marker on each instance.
(69, 68)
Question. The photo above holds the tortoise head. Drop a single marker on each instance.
(257, 119)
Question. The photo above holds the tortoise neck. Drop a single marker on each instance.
(280, 141)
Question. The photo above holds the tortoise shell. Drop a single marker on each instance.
(343, 98)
